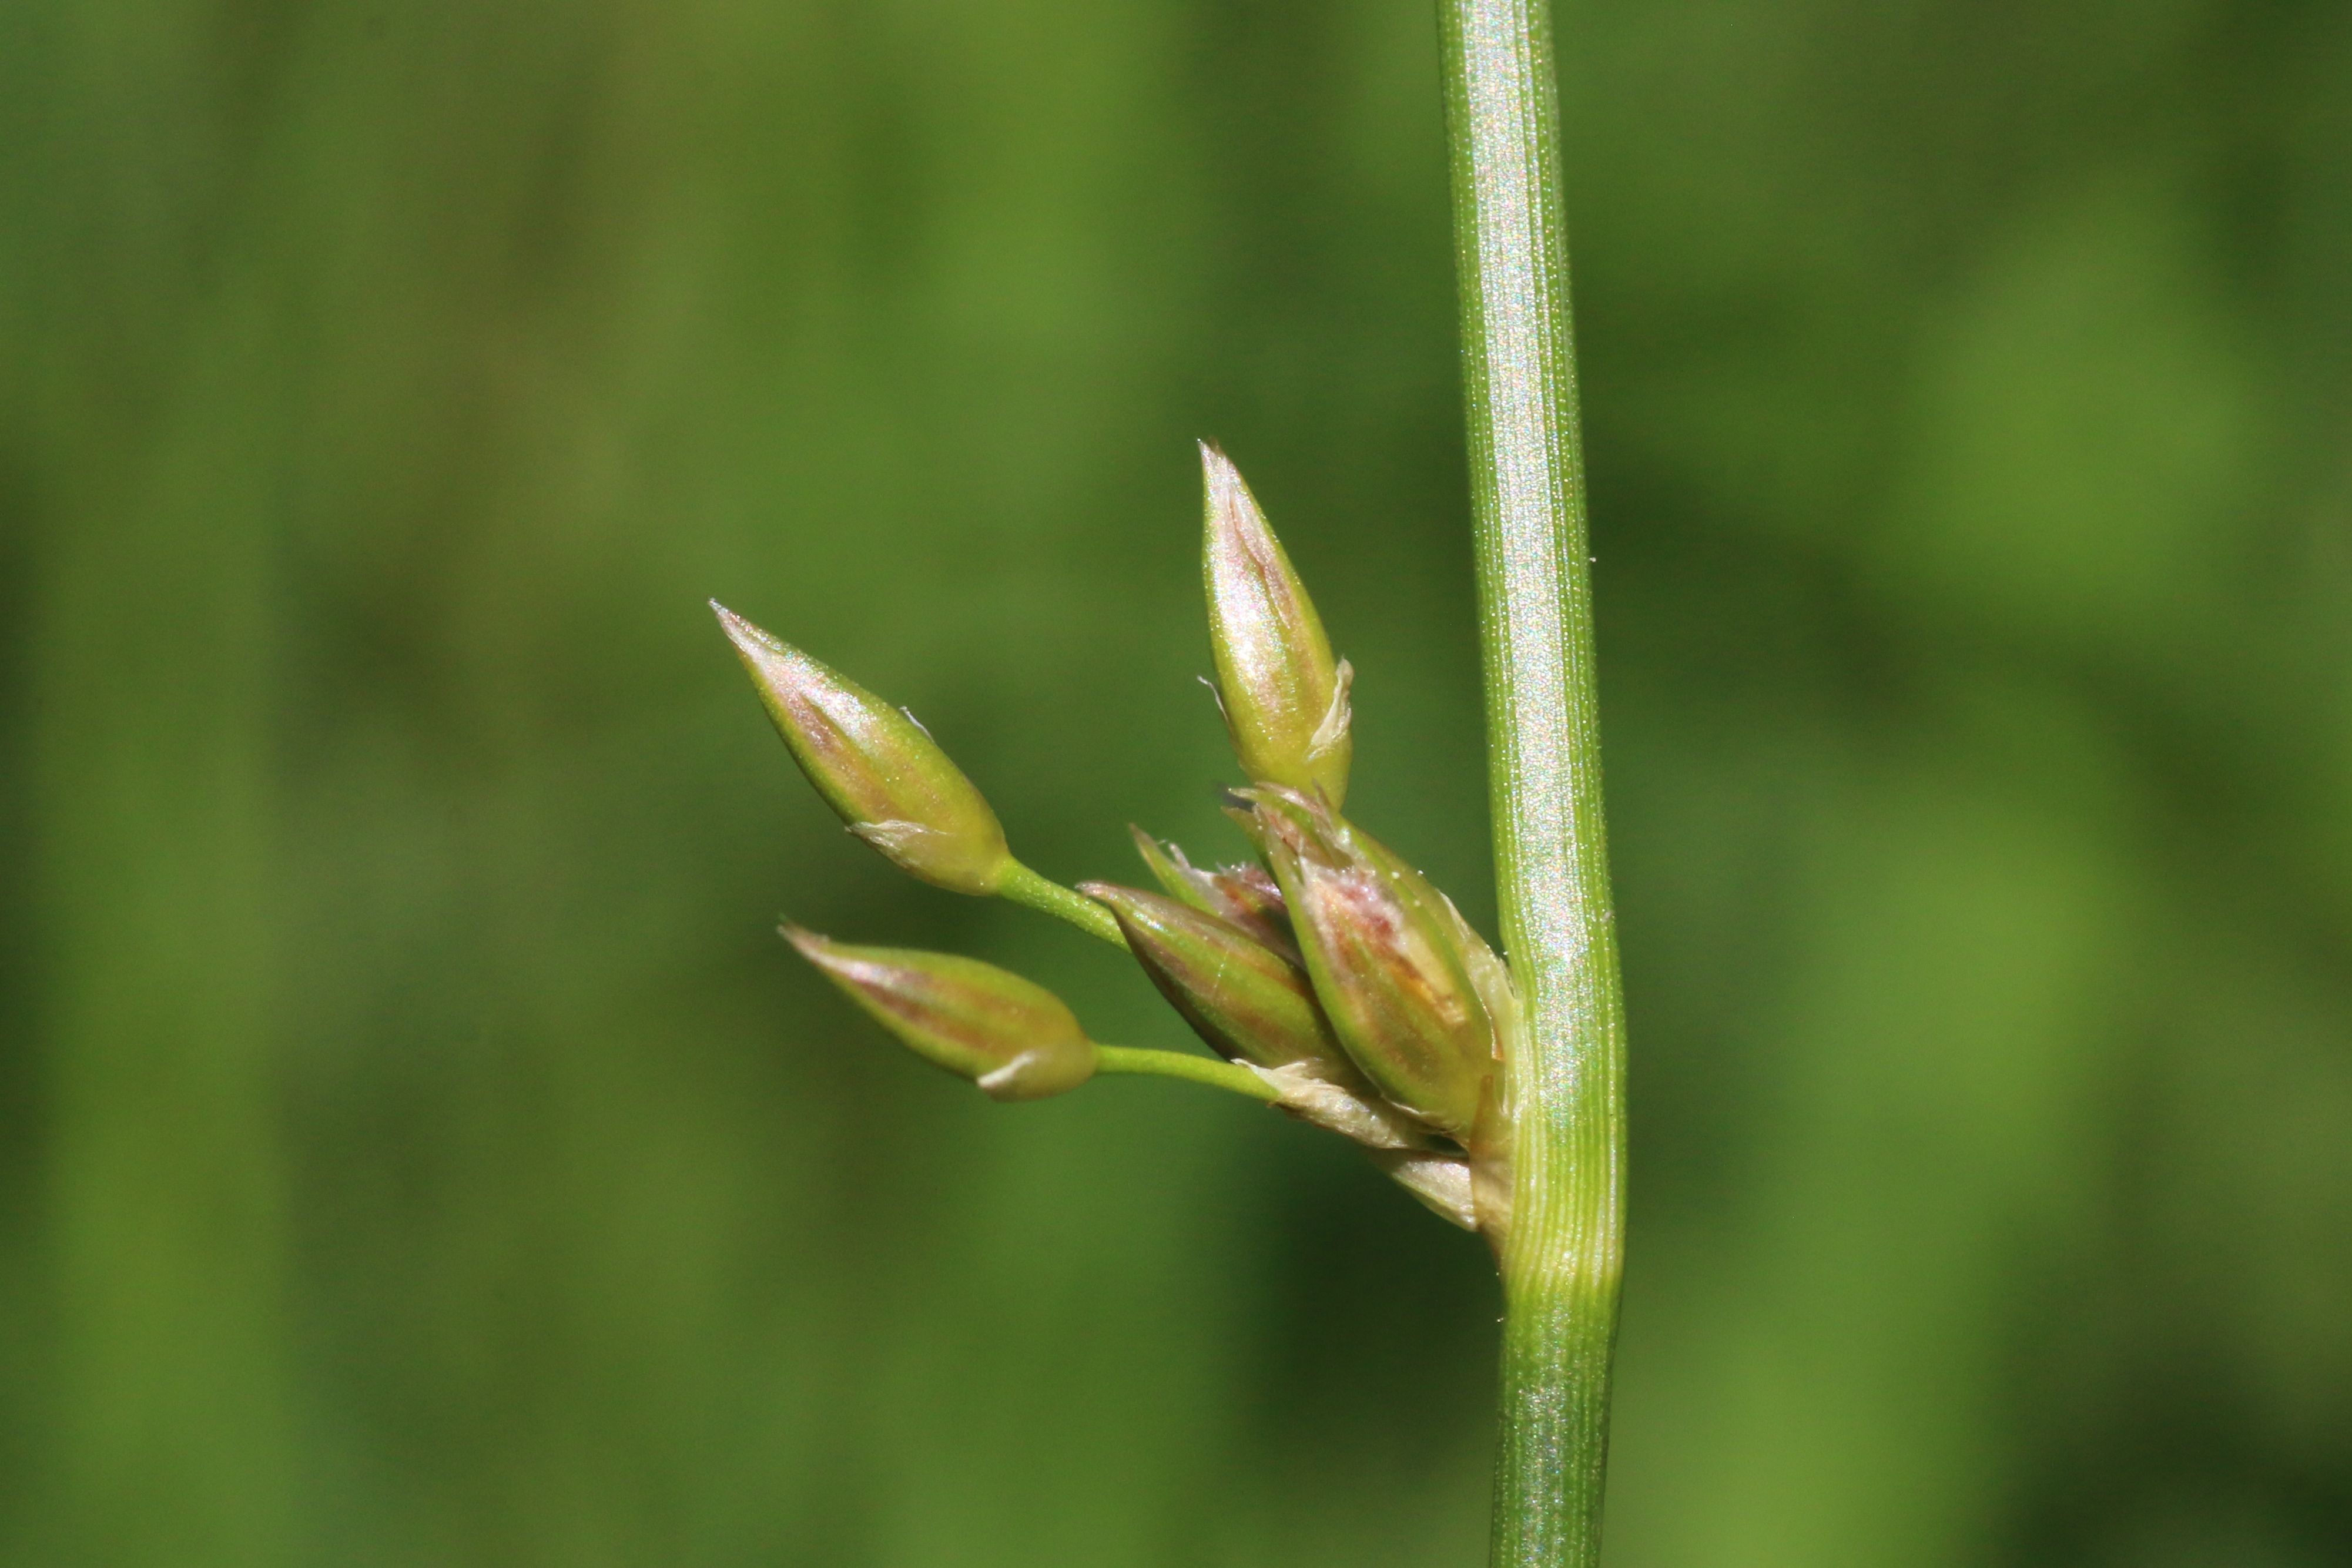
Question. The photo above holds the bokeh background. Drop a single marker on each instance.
(414, 1147)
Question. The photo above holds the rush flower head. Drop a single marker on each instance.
(1285, 698)
(1255, 1004)
(1245, 1000)
(1330, 978)
(1014, 1038)
(1385, 952)
(877, 768)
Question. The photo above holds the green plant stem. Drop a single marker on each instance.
(1186, 1066)
(1023, 886)
(1561, 1257)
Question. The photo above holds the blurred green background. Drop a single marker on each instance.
(415, 1146)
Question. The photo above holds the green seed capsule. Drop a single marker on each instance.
(1014, 1040)
(1384, 957)
(876, 767)
(1247, 1001)
(1286, 698)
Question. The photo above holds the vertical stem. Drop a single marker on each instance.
(1560, 1261)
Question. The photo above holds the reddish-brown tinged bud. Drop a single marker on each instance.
(1255, 1005)
(1014, 1040)
(1284, 697)
(1248, 1002)
(1244, 895)
(876, 767)
(1384, 953)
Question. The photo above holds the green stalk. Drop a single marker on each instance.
(1567, 1119)
(1023, 885)
(1187, 1065)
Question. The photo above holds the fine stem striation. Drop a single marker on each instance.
(1566, 1122)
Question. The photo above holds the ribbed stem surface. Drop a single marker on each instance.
(1560, 1265)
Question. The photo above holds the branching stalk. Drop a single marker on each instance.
(1560, 1262)
(1023, 885)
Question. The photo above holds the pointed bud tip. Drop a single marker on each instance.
(1230, 502)
(749, 639)
(819, 949)
(1154, 856)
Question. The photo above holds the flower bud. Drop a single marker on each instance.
(1244, 895)
(1247, 1001)
(1016, 1040)
(876, 766)
(1383, 956)
(1285, 699)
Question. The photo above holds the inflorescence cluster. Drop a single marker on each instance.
(1330, 978)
